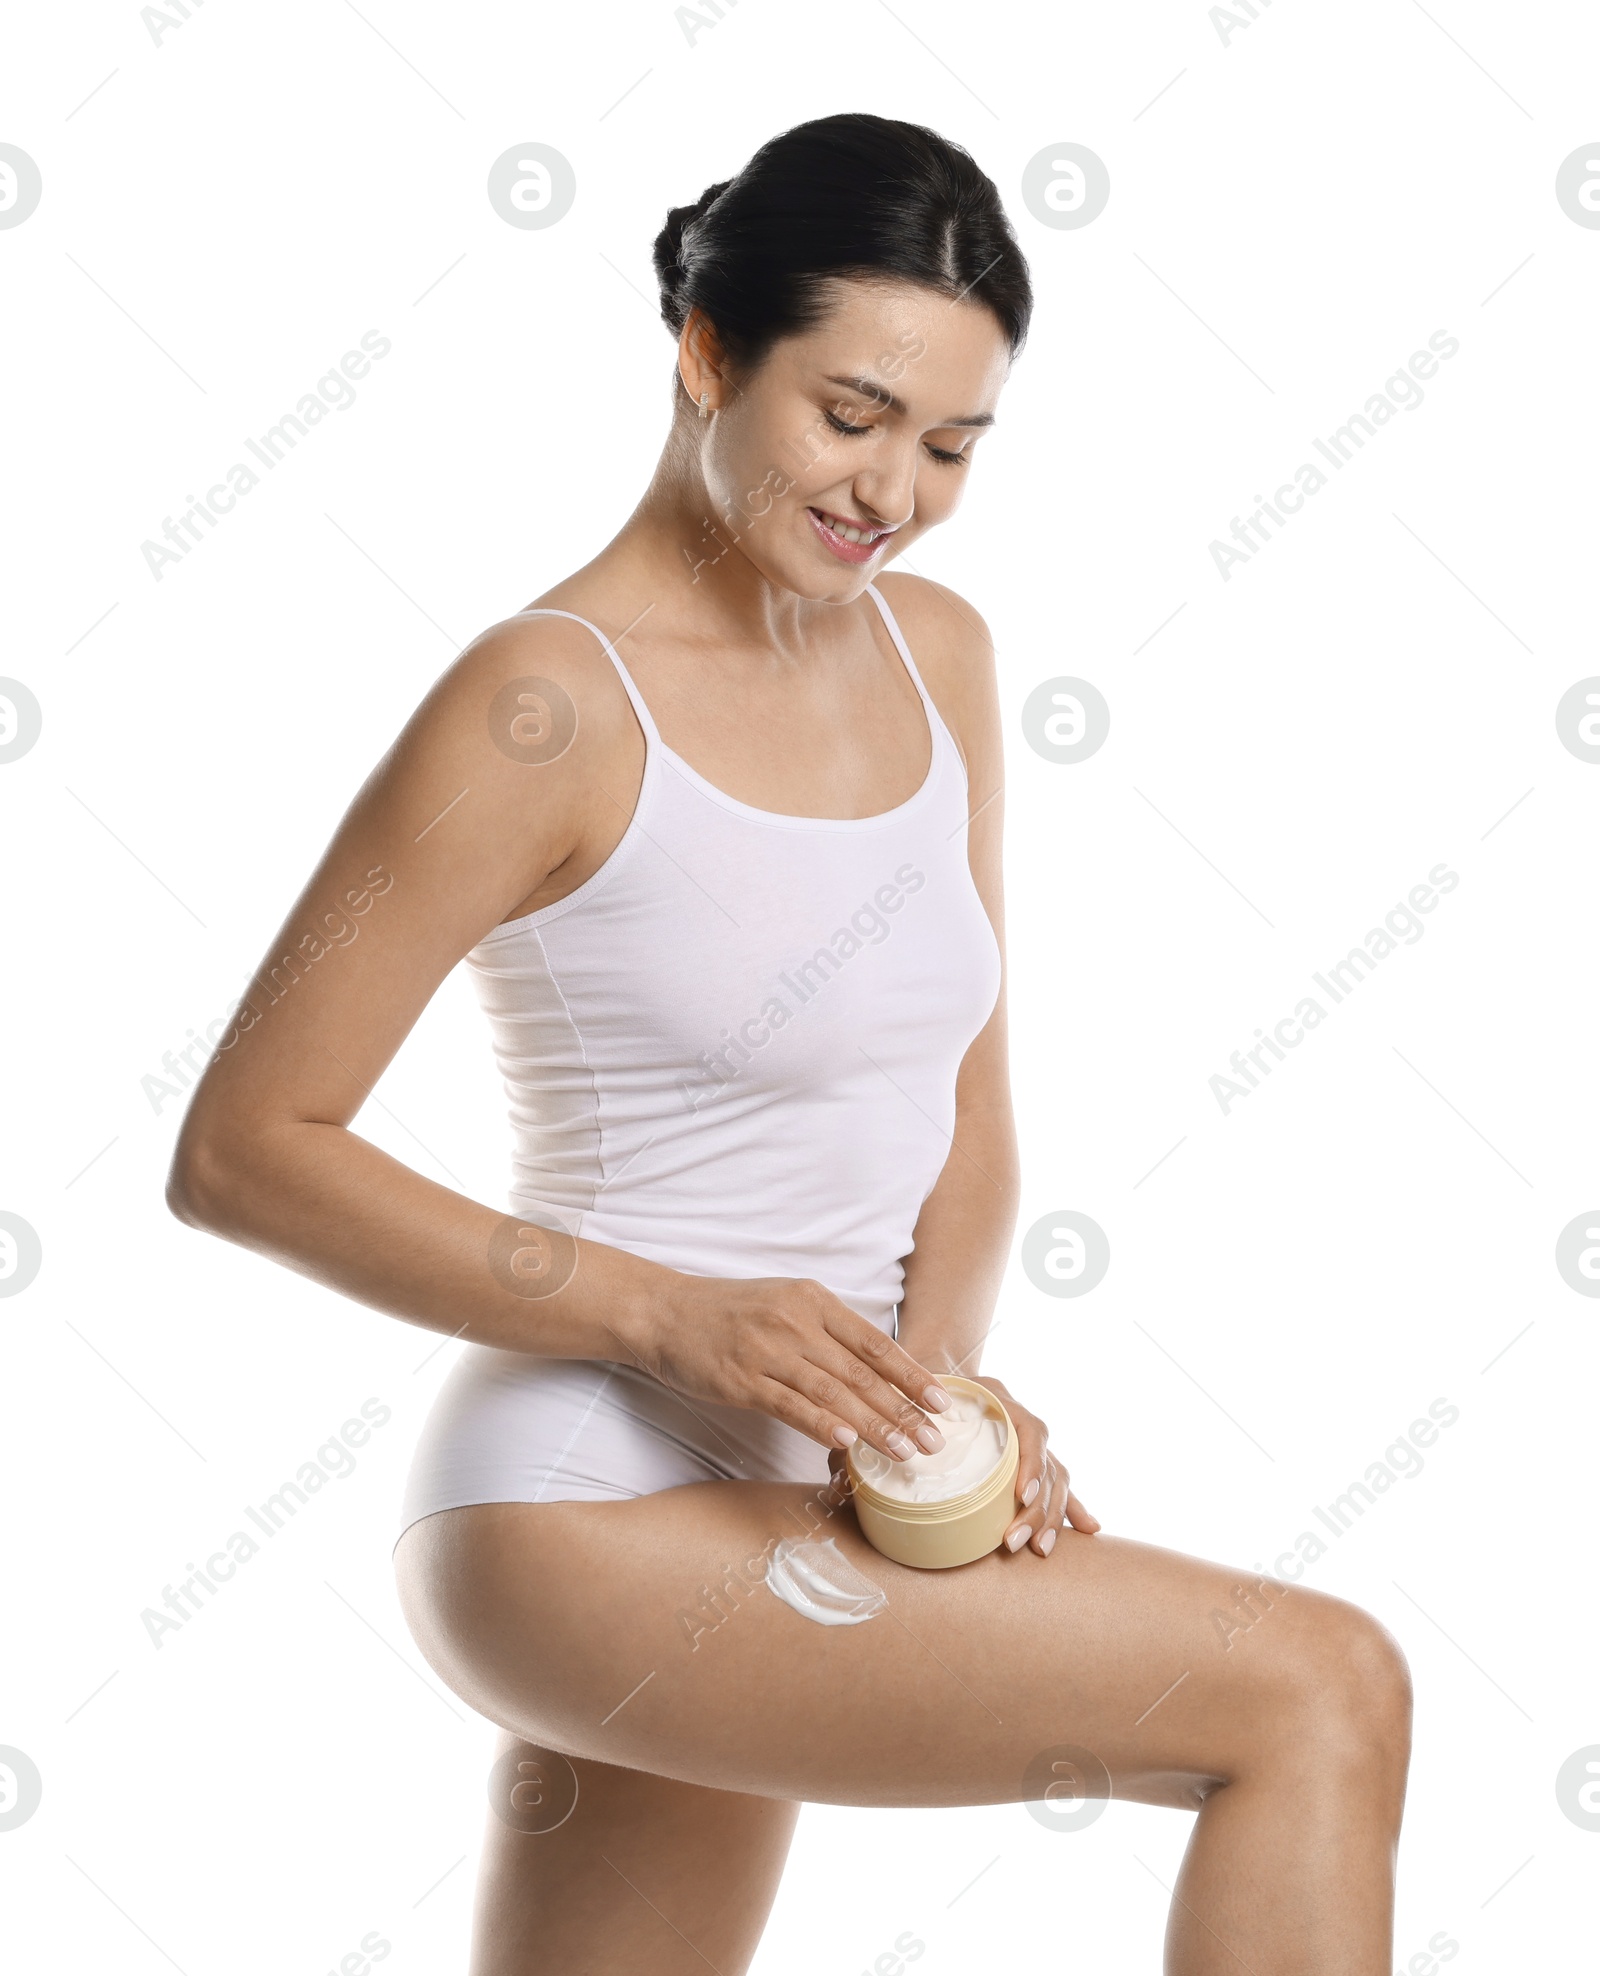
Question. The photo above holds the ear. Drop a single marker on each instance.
(702, 361)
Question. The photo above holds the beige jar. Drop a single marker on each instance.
(956, 1530)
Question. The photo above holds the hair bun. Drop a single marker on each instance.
(668, 251)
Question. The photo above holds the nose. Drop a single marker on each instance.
(887, 488)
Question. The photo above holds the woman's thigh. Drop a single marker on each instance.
(588, 1866)
(640, 1634)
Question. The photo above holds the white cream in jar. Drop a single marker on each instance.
(974, 1442)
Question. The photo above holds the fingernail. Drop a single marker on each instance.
(898, 1444)
(930, 1437)
(935, 1397)
(1030, 1492)
(844, 1435)
(1047, 1542)
(1018, 1538)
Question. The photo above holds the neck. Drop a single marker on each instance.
(684, 555)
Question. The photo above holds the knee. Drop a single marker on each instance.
(1350, 1688)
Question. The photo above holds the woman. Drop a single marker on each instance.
(724, 862)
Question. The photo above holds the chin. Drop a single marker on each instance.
(801, 575)
(841, 589)
(816, 574)
(845, 588)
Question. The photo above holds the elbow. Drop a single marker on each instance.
(181, 1197)
(199, 1184)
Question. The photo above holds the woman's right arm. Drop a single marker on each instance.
(450, 835)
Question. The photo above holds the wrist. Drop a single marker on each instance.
(642, 1304)
(946, 1346)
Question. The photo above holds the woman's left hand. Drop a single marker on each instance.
(1044, 1498)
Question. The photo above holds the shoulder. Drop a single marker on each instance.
(531, 724)
(557, 649)
(953, 631)
(954, 652)
(527, 689)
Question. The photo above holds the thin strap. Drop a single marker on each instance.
(936, 721)
(639, 707)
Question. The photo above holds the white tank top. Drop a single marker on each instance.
(733, 1050)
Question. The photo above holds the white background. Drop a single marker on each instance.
(1291, 1283)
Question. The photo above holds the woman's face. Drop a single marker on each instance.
(869, 422)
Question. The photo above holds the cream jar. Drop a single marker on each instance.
(948, 1508)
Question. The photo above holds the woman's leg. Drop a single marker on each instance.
(590, 1868)
(639, 1634)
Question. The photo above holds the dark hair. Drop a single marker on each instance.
(851, 195)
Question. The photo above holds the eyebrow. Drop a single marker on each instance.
(887, 400)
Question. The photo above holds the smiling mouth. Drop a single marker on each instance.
(853, 541)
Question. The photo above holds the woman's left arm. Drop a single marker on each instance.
(963, 1233)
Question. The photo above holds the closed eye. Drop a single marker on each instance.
(847, 428)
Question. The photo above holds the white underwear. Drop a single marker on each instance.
(510, 1427)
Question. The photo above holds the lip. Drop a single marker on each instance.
(847, 552)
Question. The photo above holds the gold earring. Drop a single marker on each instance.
(705, 399)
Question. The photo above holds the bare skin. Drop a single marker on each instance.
(1291, 1743)
(768, 670)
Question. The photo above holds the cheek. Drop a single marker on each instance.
(755, 475)
(939, 491)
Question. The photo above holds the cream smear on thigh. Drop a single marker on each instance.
(815, 1579)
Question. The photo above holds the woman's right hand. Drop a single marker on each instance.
(786, 1346)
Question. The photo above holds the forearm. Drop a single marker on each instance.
(962, 1242)
(332, 1206)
